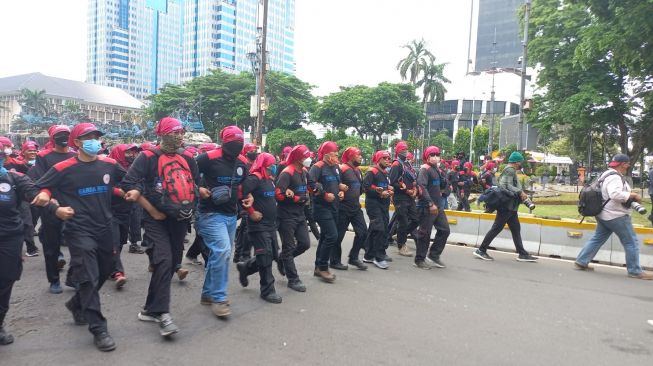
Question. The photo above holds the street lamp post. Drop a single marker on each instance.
(524, 61)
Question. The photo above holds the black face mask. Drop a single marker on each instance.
(251, 155)
(61, 140)
(129, 159)
(355, 163)
(232, 149)
(403, 155)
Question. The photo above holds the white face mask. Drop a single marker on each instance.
(8, 151)
(307, 162)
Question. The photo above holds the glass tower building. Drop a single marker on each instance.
(220, 33)
(500, 16)
(134, 45)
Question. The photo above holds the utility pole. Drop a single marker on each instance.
(490, 145)
(524, 61)
(469, 40)
(262, 102)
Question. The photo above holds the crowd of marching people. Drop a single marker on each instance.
(97, 199)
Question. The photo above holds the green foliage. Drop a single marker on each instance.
(366, 147)
(371, 111)
(481, 140)
(277, 139)
(444, 142)
(462, 141)
(34, 102)
(541, 169)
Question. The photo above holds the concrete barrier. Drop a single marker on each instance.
(645, 239)
(530, 232)
(463, 226)
(562, 239)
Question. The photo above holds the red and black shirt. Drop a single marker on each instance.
(322, 179)
(353, 178)
(262, 190)
(218, 171)
(295, 180)
(375, 178)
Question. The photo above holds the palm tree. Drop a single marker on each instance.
(34, 102)
(411, 66)
(432, 82)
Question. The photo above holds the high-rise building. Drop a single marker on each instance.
(220, 33)
(134, 45)
(498, 16)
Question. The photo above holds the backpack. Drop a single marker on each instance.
(590, 198)
(179, 192)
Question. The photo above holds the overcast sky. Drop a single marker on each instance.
(337, 42)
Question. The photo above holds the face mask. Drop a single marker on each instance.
(8, 151)
(356, 163)
(32, 162)
(232, 149)
(172, 142)
(129, 159)
(307, 162)
(251, 155)
(61, 140)
(3, 171)
(271, 170)
(91, 147)
(403, 154)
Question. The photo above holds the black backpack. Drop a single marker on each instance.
(590, 199)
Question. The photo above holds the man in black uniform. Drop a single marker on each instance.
(291, 194)
(50, 233)
(86, 183)
(243, 247)
(402, 179)
(261, 226)
(350, 210)
(377, 202)
(431, 214)
(324, 182)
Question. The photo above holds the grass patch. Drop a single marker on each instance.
(571, 212)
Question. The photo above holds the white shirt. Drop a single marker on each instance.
(617, 190)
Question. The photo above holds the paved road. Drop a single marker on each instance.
(472, 313)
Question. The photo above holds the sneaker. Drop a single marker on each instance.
(182, 273)
(297, 285)
(422, 265)
(6, 338)
(61, 262)
(483, 255)
(148, 317)
(583, 267)
(194, 261)
(136, 249)
(221, 309)
(78, 315)
(120, 279)
(166, 326)
(642, 276)
(242, 274)
(405, 251)
(368, 260)
(55, 288)
(438, 263)
(32, 254)
(358, 264)
(325, 276)
(526, 258)
(387, 258)
(272, 298)
(104, 342)
(381, 264)
(339, 266)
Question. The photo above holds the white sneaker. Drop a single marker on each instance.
(380, 264)
(650, 322)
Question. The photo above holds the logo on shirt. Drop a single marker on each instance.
(5, 198)
(4, 187)
(239, 171)
(106, 178)
(89, 191)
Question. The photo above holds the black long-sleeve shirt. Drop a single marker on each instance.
(143, 176)
(322, 179)
(375, 178)
(295, 180)
(14, 188)
(264, 202)
(220, 171)
(429, 182)
(45, 160)
(87, 187)
(402, 172)
(351, 177)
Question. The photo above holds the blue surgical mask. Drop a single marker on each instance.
(273, 170)
(91, 147)
(3, 171)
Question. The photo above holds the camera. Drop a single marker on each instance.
(528, 203)
(639, 208)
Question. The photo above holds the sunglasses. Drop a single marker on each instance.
(433, 154)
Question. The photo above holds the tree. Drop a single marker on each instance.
(278, 138)
(290, 101)
(481, 140)
(72, 113)
(462, 141)
(432, 82)
(411, 66)
(371, 112)
(34, 102)
(444, 142)
(597, 62)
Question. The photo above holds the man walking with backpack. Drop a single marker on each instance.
(615, 218)
(168, 179)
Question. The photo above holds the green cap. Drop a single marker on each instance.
(515, 157)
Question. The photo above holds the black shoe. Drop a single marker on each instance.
(422, 265)
(358, 264)
(135, 248)
(282, 270)
(526, 258)
(483, 255)
(339, 266)
(242, 274)
(5, 338)
(387, 258)
(272, 298)
(297, 285)
(104, 342)
(78, 315)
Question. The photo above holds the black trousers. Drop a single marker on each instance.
(377, 232)
(51, 236)
(294, 242)
(426, 224)
(357, 220)
(407, 219)
(91, 257)
(463, 201)
(263, 242)
(5, 295)
(166, 240)
(135, 224)
(505, 217)
(243, 246)
(327, 218)
(28, 227)
(120, 232)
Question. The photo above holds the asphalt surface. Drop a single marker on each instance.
(472, 313)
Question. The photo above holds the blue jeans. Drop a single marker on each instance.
(623, 227)
(218, 232)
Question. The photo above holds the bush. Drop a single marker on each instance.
(540, 170)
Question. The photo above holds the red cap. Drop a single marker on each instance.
(380, 155)
(168, 125)
(349, 154)
(286, 150)
(468, 165)
(401, 146)
(455, 163)
(118, 153)
(490, 165)
(262, 162)
(5, 141)
(80, 130)
(410, 156)
(430, 150)
(29, 145)
(206, 147)
(55, 129)
(192, 150)
(297, 153)
(231, 133)
(147, 146)
(249, 147)
(326, 148)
